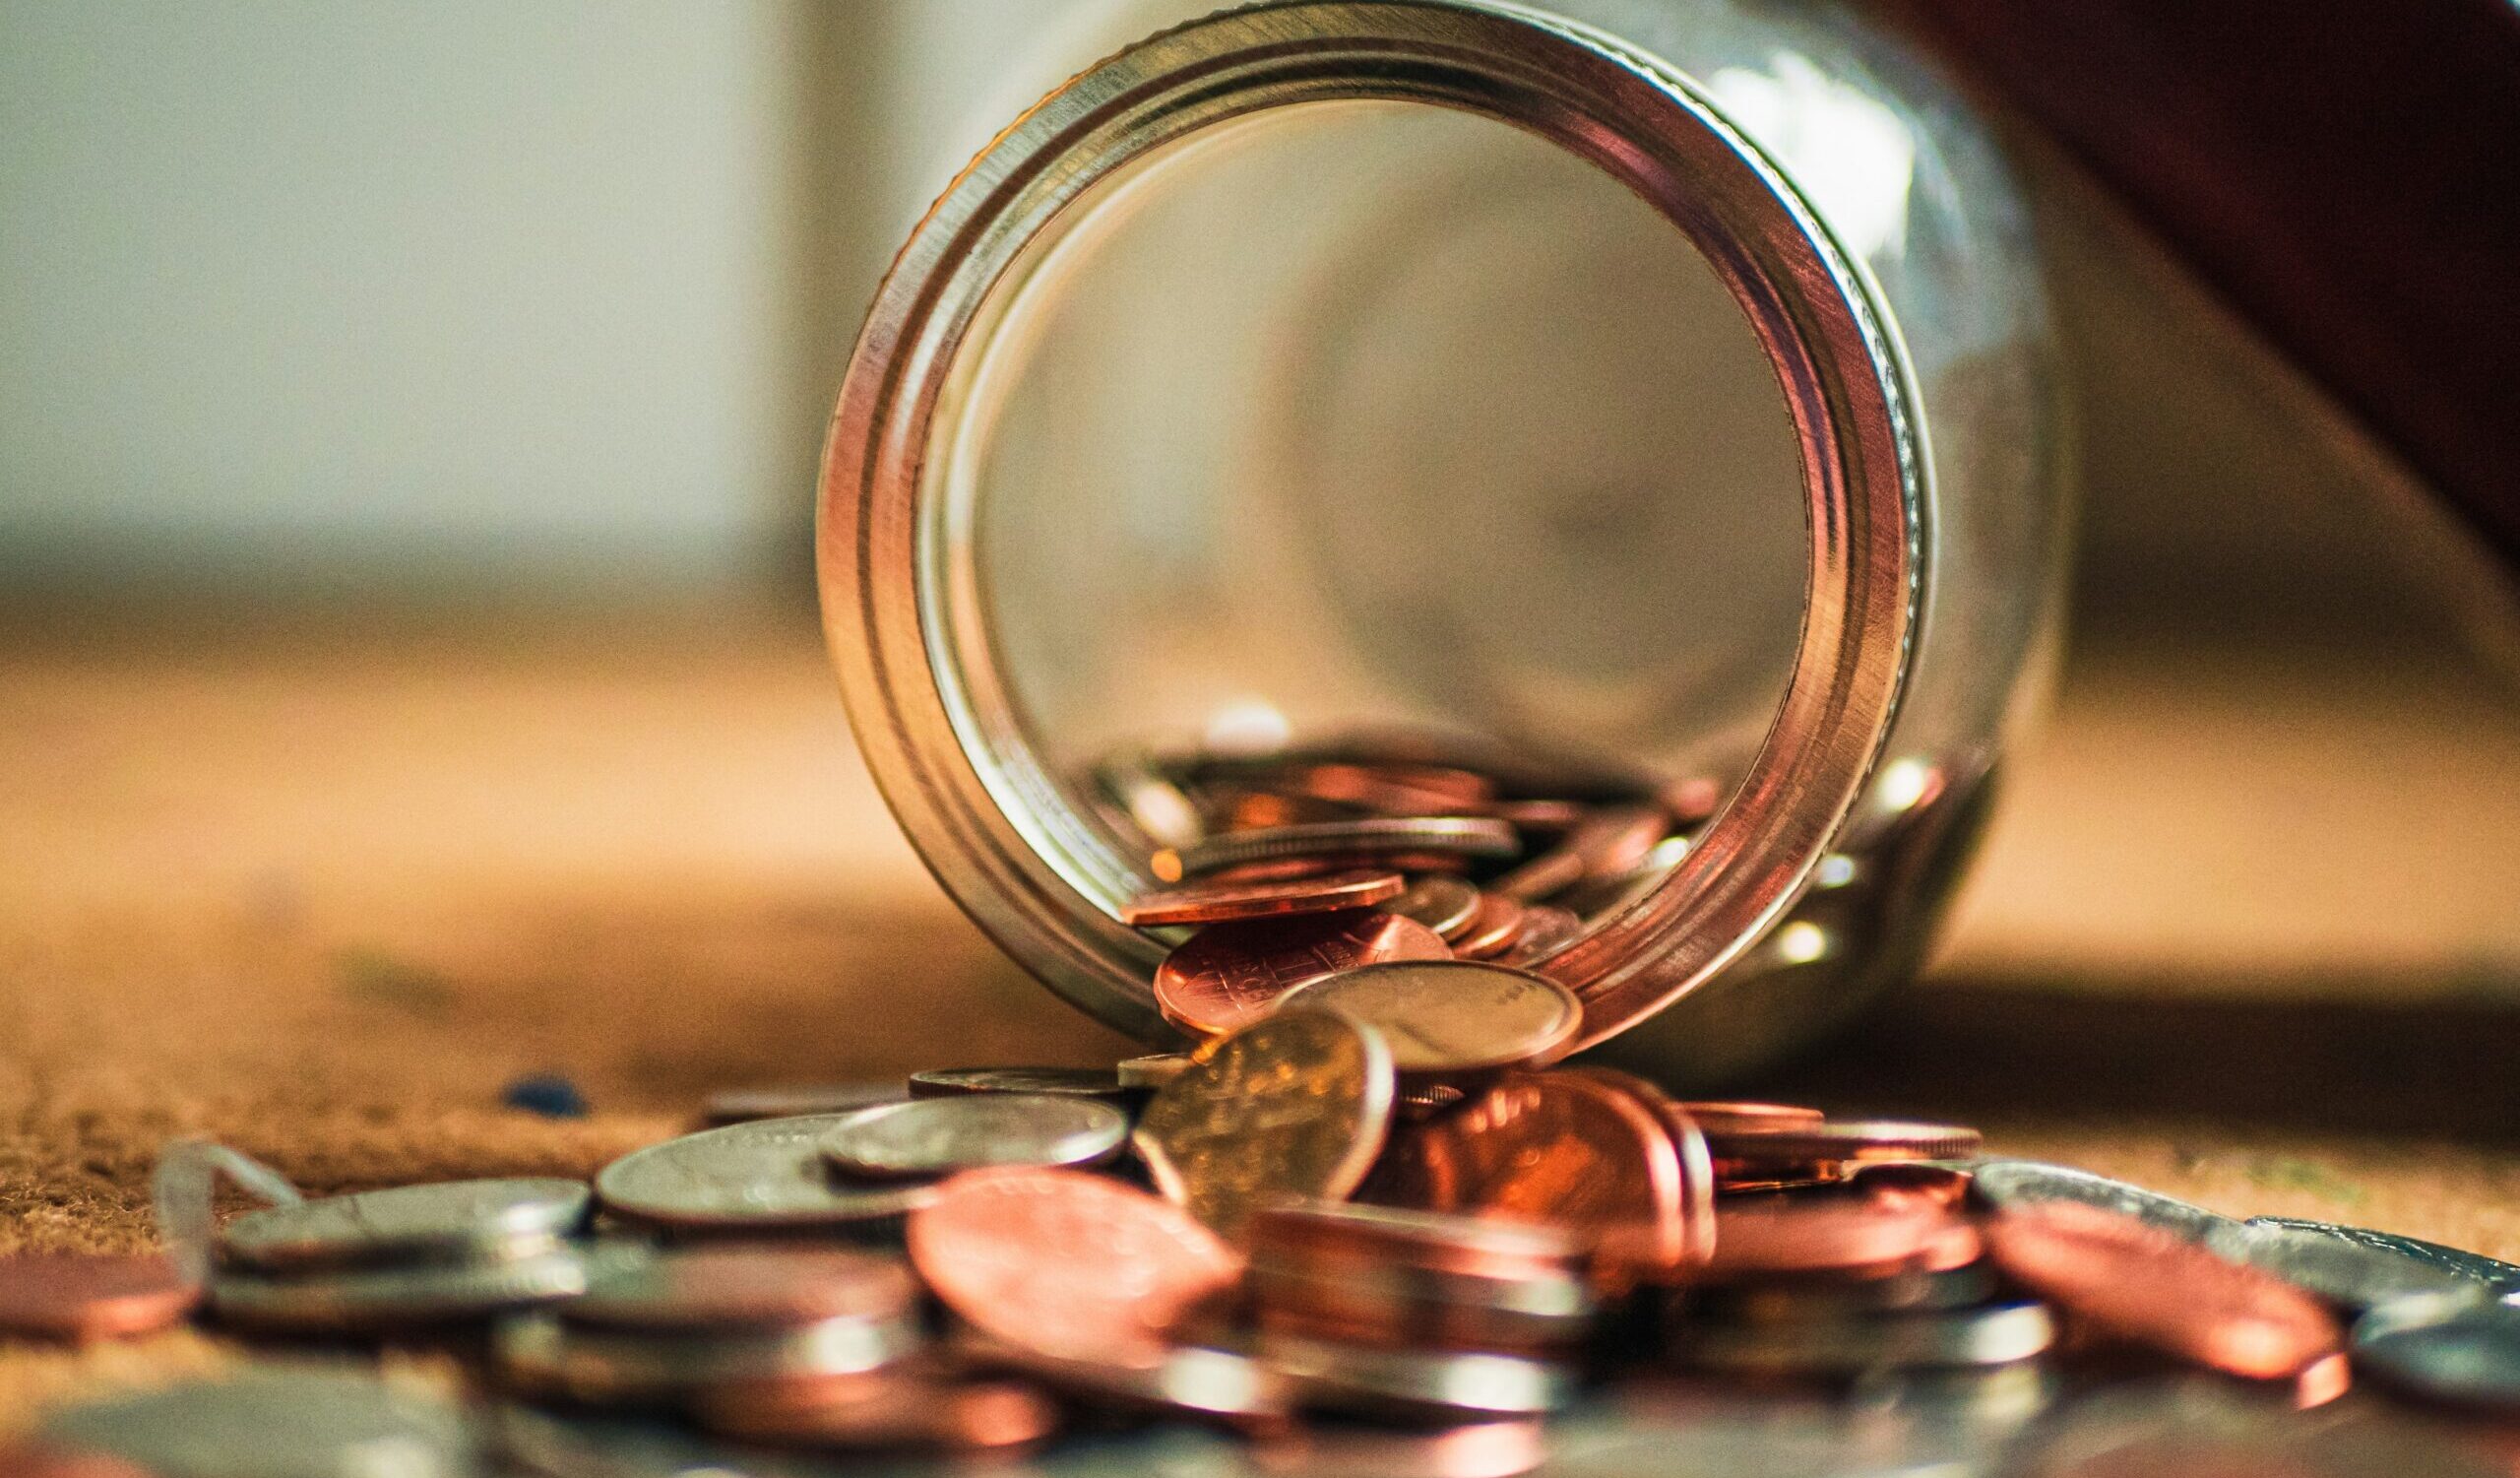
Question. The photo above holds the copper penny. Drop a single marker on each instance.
(1913, 1184)
(1324, 865)
(1546, 929)
(890, 1412)
(1559, 1148)
(91, 1296)
(1698, 1183)
(1392, 790)
(1295, 1107)
(2140, 1283)
(1462, 836)
(1442, 902)
(743, 1287)
(1612, 840)
(1067, 1263)
(1214, 902)
(1392, 1237)
(1452, 1017)
(1230, 975)
(1847, 1236)
(1716, 1116)
(1491, 930)
(1839, 1142)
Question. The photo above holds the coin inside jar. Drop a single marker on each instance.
(1215, 902)
(934, 1137)
(1440, 901)
(1230, 975)
(1367, 837)
(1451, 1016)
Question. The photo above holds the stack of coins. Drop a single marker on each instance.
(408, 1255)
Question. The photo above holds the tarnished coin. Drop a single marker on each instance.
(447, 1219)
(1293, 1107)
(934, 1137)
(1451, 1016)
(91, 1296)
(1191, 1381)
(1995, 1334)
(541, 1354)
(358, 1300)
(2504, 1277)
(1153, 1070)
(1066, 1264)
(921, 1415)
(1229, 975)
(1215, 902)
(2019, 1184)
(2136, 1280)
(2452, 1348)
(1564, 1148)
(2353, 1276)
(296, 1423)
(1371, 837)
(1439, 901)
(791, 1101)
(759, 1176)
(1063, 1082)
(742, 1286)
(1417, 1385)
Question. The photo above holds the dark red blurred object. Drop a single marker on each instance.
(2346, 173)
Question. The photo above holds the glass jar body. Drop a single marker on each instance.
(1340, 407)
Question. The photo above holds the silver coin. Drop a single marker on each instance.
(1153, 1070)
(742, 1285)
(2030, 1182)
(1450, 1018)
(790, 1101)
(1440, 902)
(306, 1423)
(1416, 1383)
(761, 1176)
(2504, 1277)
(1995, 1335)
(1192, 1381)
(1061, 1082)
(447, 1219)
(368, 1299)
(2454, 1348)
(606, 1367)
(936, 1137)
(2351, 1273)
(1458, 836)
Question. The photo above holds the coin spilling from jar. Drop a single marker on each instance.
(1367, 1223)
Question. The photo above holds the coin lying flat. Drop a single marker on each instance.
(447, 1219)
(1196, 1382)
(2454, 1348)
(274, 1424)
(791, 1100)
(742, 1287)
(612, 1368)
(2504, 1277)
(2354, 1276)
(2140, 1282)
(1227, 976)
(1844, 1142)
(1993, 1334)
(2014, 1183)
(934, 1137)
(1215, 902)
(1068, 1264)
(1373, 837)
(1851, 1237)
(1546, 930)
(923, 1415)
(1153, 1070)
(1439, 901)
(1418, 1384)
(1451, 1016)
(1295, 1107)
(362, 1299)
(759, 1176)
(1809, 1300)
(1070, 1082)
(91, 1296)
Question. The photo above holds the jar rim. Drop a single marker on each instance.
(939, 741)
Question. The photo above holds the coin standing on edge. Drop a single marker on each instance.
(1065, 1263)
(1227, 976)
(760, 1175)
(933, 1136)
(1295, 1107)
(1451, 1016)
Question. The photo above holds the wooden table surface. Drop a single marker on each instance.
(320, 884)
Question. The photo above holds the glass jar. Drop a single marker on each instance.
(1651, 389)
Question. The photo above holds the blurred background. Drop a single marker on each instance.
(407, 425)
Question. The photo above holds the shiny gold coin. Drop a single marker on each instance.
(1292, 1107)
(1451, 1016)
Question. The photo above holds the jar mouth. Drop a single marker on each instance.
(902, 600)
